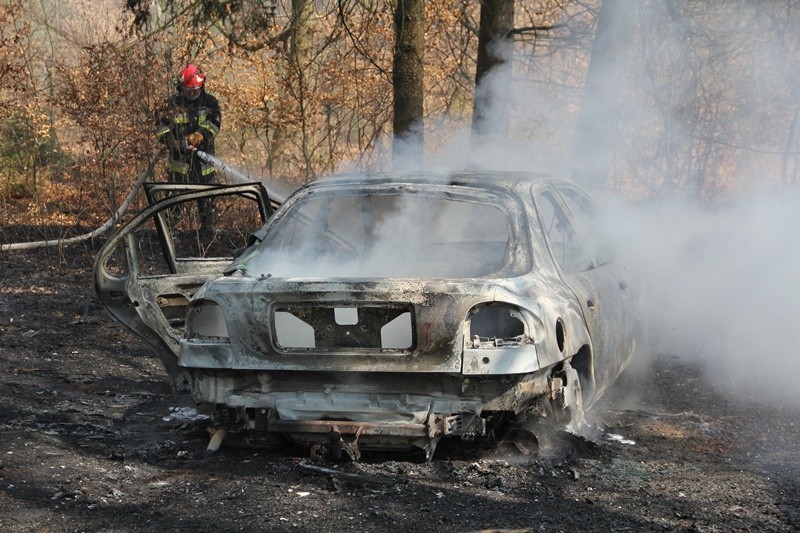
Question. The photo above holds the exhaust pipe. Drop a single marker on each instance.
(217, 436)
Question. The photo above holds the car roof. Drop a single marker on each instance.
(476, 178)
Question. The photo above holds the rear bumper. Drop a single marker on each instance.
(359, 413)
(379, 407)
(461, 425)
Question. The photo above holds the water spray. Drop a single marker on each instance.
(235, 175)
(225, 168)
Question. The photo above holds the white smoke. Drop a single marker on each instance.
(721, 287)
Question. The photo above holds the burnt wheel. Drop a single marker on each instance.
(566, 398)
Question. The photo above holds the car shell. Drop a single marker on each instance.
(545, 333)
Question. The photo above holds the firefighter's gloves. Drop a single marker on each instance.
(187, 144)
(194, 139)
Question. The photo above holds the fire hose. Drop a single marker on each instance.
(235, 175)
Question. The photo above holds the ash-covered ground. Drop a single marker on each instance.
(92, 440)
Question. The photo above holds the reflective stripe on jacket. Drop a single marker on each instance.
(180, 167)
(209, 128)
(206, 169)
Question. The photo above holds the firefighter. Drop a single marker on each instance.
(189, 121)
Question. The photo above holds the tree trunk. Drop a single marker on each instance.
(491, 106)
(301, 53)
(290, 142)
(407, 78)
(595, 131)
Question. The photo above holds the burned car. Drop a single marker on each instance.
(382, 312)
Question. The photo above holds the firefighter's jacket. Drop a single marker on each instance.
(175, 121)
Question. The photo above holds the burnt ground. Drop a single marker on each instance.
(86, 444)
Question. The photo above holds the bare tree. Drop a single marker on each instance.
(490, 112)
(595, 132)
(407, 80)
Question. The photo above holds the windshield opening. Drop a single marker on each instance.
(395, 233)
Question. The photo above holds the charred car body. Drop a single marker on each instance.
(384, 312)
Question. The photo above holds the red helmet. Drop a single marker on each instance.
(191, 77)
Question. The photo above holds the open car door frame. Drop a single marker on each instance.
(141, 302)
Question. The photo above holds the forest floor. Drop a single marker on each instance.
(91, 439)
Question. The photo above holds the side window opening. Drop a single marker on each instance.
(148, 252)
(589, 227)
(234, 218)
(175, 240)
(570, 250)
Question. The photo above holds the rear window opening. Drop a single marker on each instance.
(388, 234)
